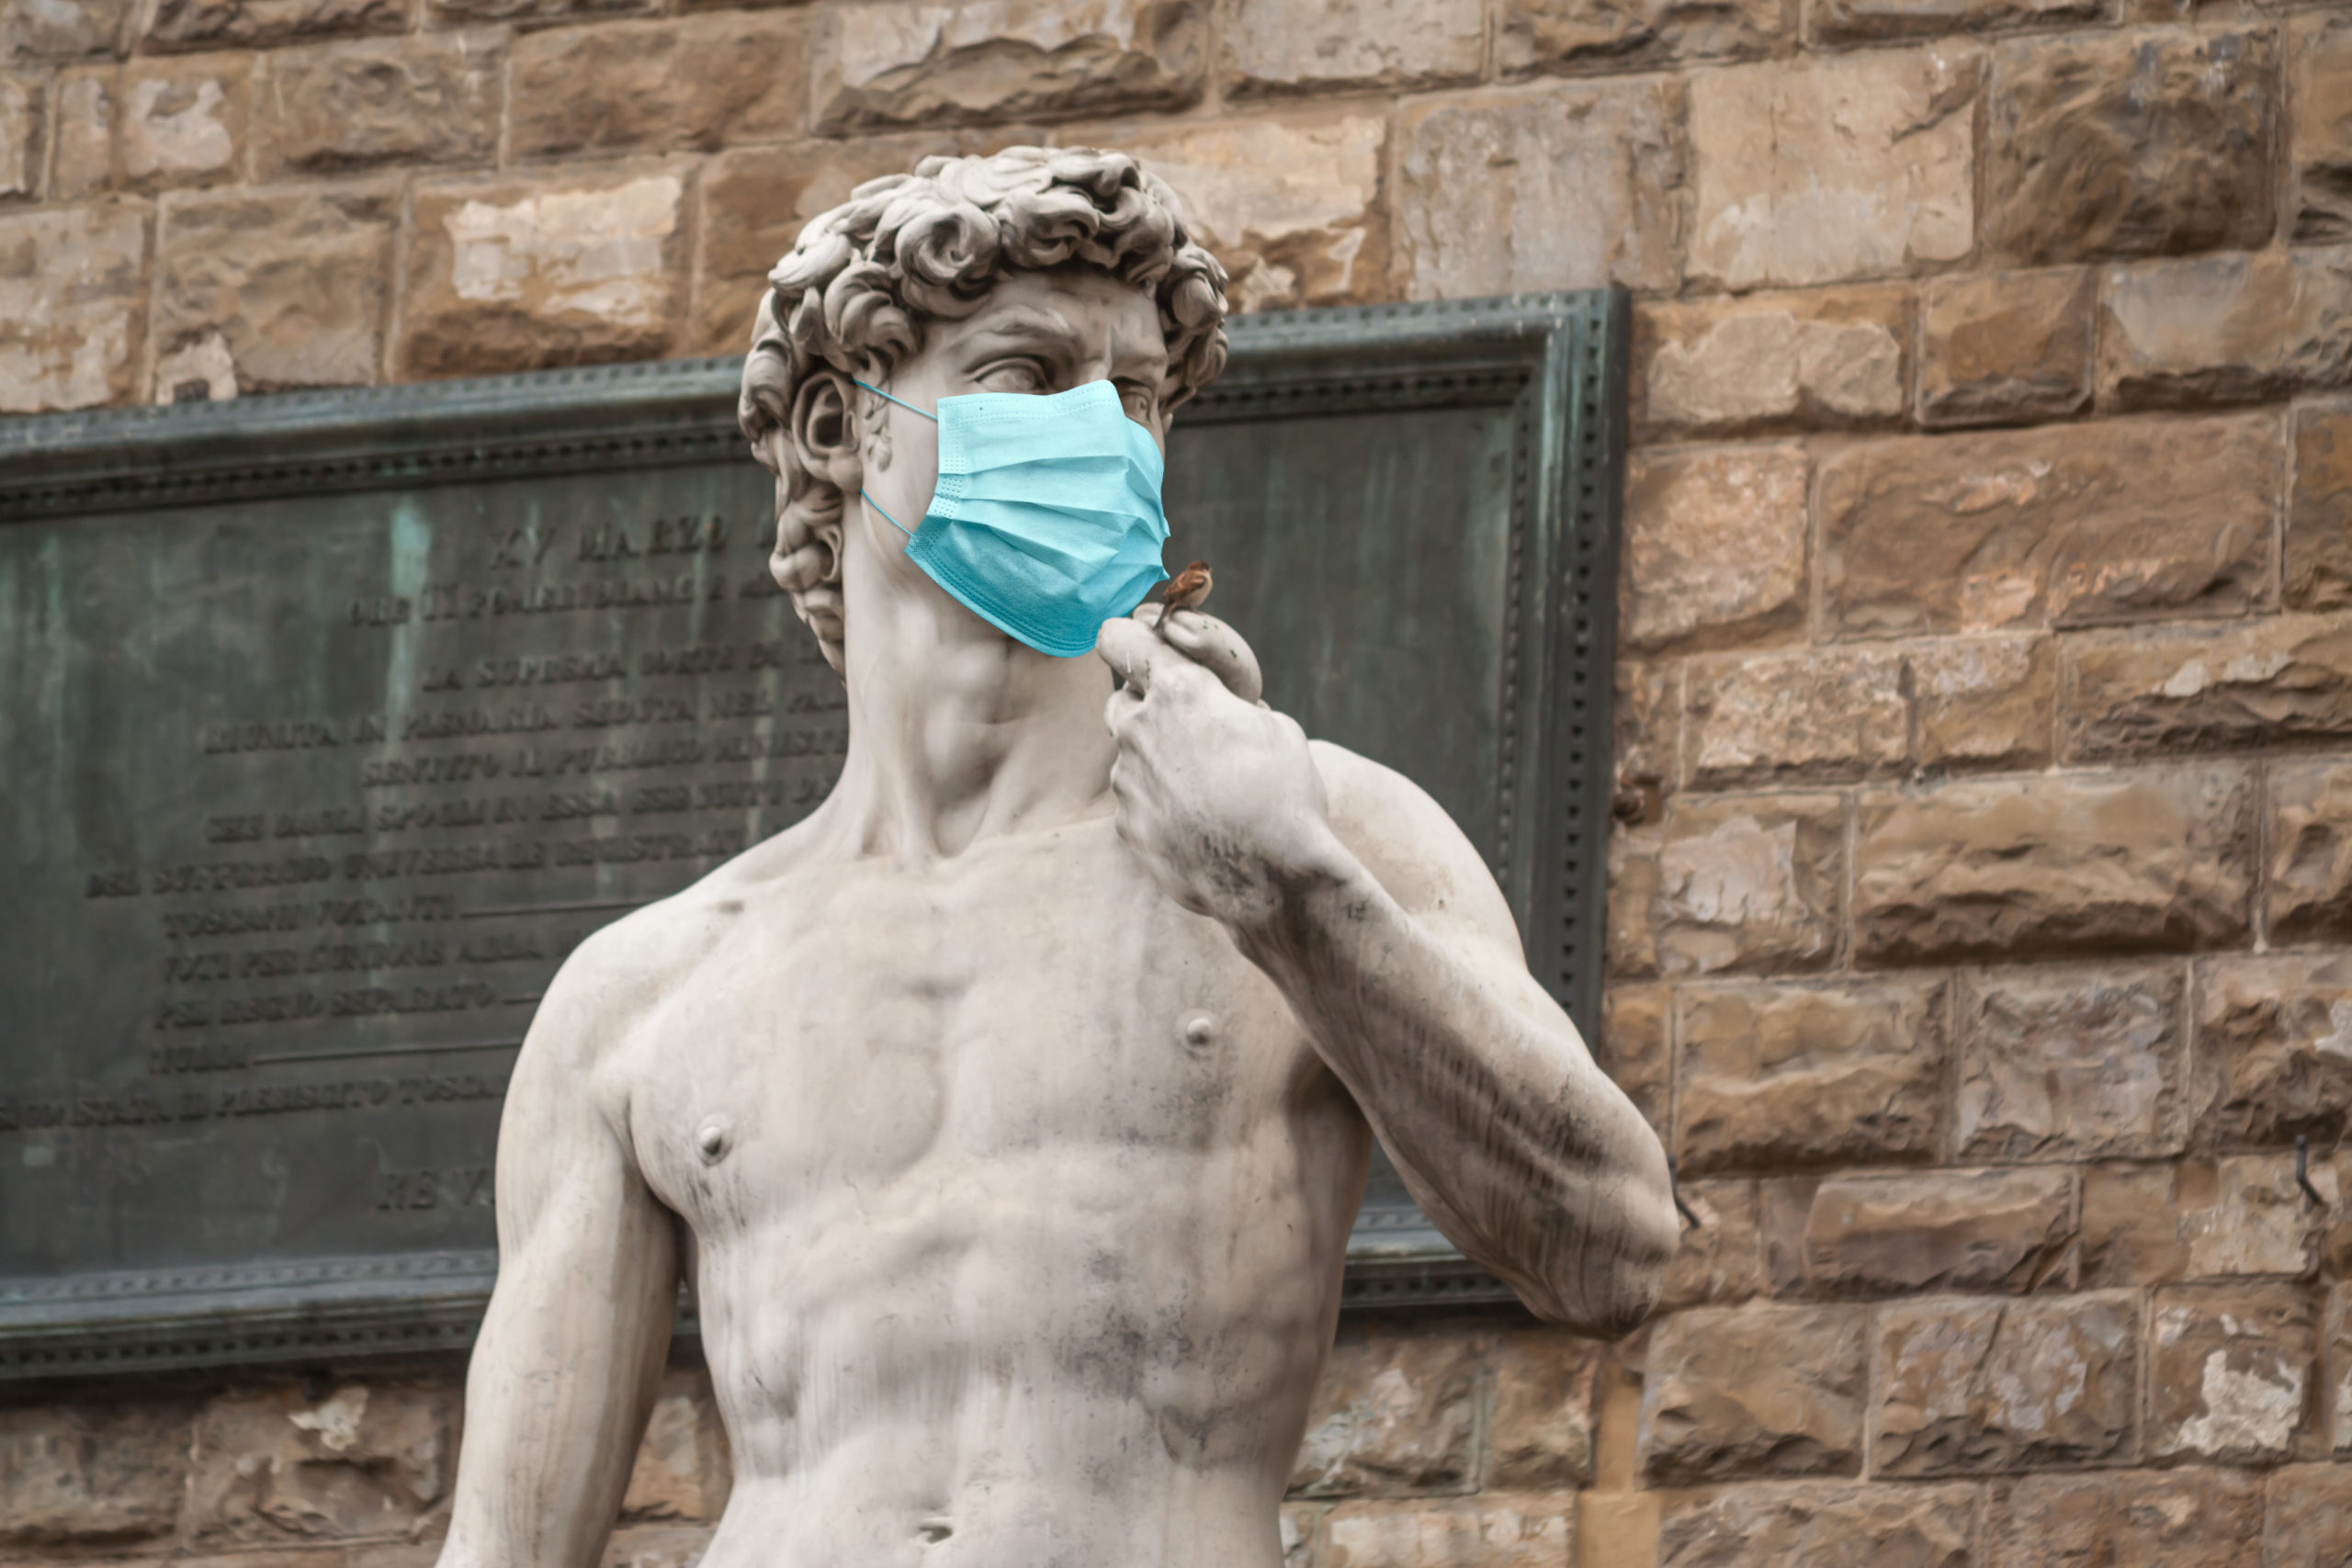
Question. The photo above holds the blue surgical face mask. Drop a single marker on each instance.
(1046, 522)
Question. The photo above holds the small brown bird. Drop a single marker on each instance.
(1186, 591)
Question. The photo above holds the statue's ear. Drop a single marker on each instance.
(823, 428)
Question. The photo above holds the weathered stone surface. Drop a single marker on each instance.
(2318, 563)
(1782, 1075)
(1569, 188)
(1292, 211)
(681, 1467)
(1721, 1261)
(1879, 21)
(1783, 1209)
(1808, 715)
(1576, 35)
(294, 283)
(653, 87)
(2132, 1224)
(1750, 883)
(1714, 546)
(347, 106)
(82, 127)
(1395, 1412)
(1753, 1391)
(2059, 863)
(2308, 895)
(2181, 1518)
(1492, 1530)
(2226, 329)
(1984, 703)
(1539, 1435)
(183, 121)
(217, 24)
(1821, 1525)
(2072, 1065)
(62, 29)
(465, 13)
(518, 275)
(632, 1546)
(2336, 1352)
(1969, 1388)
(1634, 907)
(2245, 1215)
(71, 303)
(1842, 168)
(1647, 721)
(22, 135)
(2008, 1231)
(1760, 362)
(2134, 145)
(92, 1472)
(1633, 1047)
(2122, 520)
(2274, 1048)
(1272, 46)
(2233, 1374)
(2279, 678)
(2309, 1523)
(2319, 134)
(1997, 348)
(270, 1466)
(887, 65)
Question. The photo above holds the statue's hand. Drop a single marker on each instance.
(1214, 791)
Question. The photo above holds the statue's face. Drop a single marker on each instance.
(1037, 332)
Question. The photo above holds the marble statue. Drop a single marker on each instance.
(1009, 1114)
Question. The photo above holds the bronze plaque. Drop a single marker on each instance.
(332, 723)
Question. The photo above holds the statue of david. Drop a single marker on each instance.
(1009, 1114)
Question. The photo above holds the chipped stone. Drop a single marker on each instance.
(2072, 1065)
(2308, 895)
(1984, 704)
(72, 305)
(1764, 361)
(1882, 21)
(2274, 1048)
(2232, 1374)
(1714, 546)
(1721, 1261)
(1753, 1391)
(2010, 1232)
(2002, 347)
(1811, 716)
(1573, 35)
(1272, 46)
(347, 105)
(2163, 694)
(2319, 74)
(295, 284)
(1393, 1412)
(226, 24)
(62, 29)
(2226, 329)
(693, 81)
(1970, 1388)
(1750, 883)
(272, 1467)
(1491, 1531)
(92, 1472)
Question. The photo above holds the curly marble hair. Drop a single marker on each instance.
(852, 297)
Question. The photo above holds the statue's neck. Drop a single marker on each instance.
(957, 732)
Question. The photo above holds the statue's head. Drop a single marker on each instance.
(957, 261)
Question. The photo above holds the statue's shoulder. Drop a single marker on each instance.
(1418, 852)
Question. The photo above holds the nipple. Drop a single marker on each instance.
(711, 1140)
(1198, 1031)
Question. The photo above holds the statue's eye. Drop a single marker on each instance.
(1013, 376)
(1139, 401)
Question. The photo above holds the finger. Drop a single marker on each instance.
(1127, 647)
(1217, 648)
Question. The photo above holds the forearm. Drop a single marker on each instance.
(1513, 1139)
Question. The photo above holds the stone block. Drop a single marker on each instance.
(2053, 864)
(2009, 346)
(1751, 1391)
(2073, 1065)
(1646, 719)
(1617, 35)
(293, 283)
(1272, 46)
(1841, 168)
(2130, 145)
(183, 123)
(1984, 703)
(2309, 1521)
(1633, 1049)
(62, 29)
(1809, 716)
(2225, 329)
(1824, 357)
(2163, 694)
(474, 12)
(432, 98)
(1292, 209)
(1558, 188)
(2233, 1374)
(2011, 1232)
(2125, 520)
(1635, 906)
(1749, 883)
(1882, 21)
(2181, 1518)
(926, 66)
(1721, 1261)
(2319, 132)
(2274, 1048)
(72, 301)
(273, 1467)
(23, 135)
(1780, 1074)
(174, 25)
(682, 1470)
(1539, 1435)
(517, 276)
(92, 1472)
(2318, 553)
(1393, 1413)
(639, 1546)
(2307, 895)
(2131, 1224)
(1715, 548)
(1973, 1388)
(693, 82)
(1491, 1531)
(1821, 1525)
(1783, 1208)
(81, 129)
(2245, 1215)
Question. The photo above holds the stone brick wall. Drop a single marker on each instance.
(1982, 912)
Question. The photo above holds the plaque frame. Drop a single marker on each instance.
(1562, 359)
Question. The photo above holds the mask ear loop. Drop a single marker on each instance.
(911, 409)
